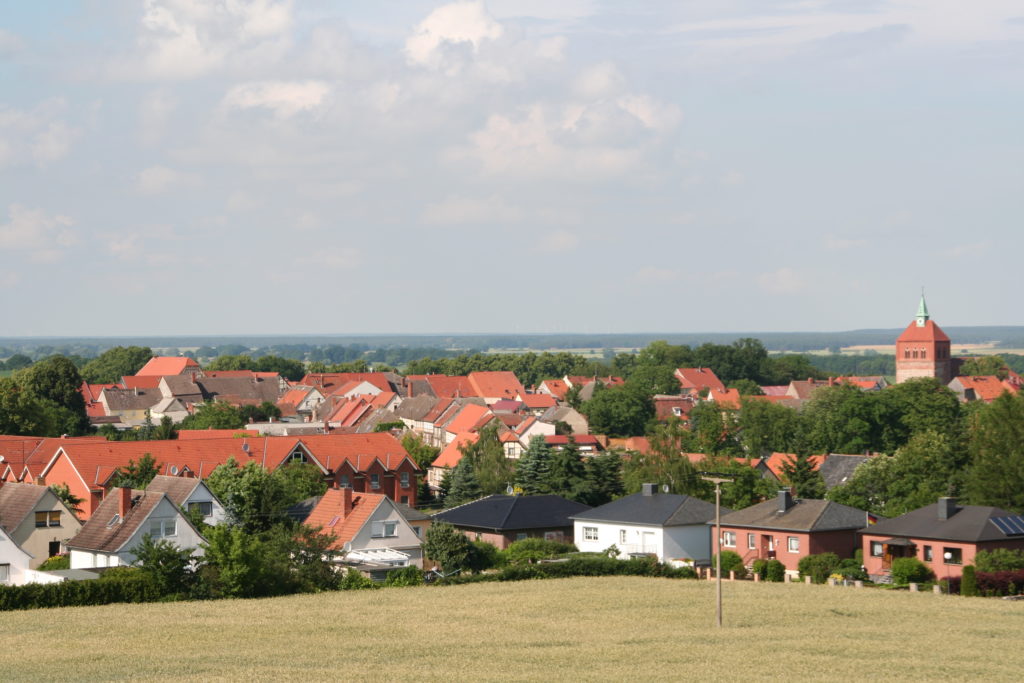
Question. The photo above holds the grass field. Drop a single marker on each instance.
(571, 629)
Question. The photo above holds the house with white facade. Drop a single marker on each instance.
(669, 526)
(191, 495)
(121, 521)
(36, 520)
(16, 564)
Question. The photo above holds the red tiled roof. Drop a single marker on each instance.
(235, 374)
(186, 434)
(558, 388)
(986, 387)
(776, 462)
(140, 382)
(728, 398)
(927, 333)
(447, 386)
(359, 449)
(329, 513)
(451, 455)
(294, 397)
(775, 390)
(158, 366)
(538, 401)
(698, 378)
(327, 380)
(468, 418)
(499, 384)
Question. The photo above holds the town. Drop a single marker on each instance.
(846, 477)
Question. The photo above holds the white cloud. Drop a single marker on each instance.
(655, 115)
(469, 210)
(283, 98)
(160, 179)
(599, 81)
(558, 241)
(782, 281)
(458, 23)
(36, 231)
(39, 135)
(833, 243)
(183, 39)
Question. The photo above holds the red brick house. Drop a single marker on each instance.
(944, 535)
(788, 529)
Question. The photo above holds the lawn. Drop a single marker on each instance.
(612, 628)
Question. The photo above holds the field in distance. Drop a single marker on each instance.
(611, 628)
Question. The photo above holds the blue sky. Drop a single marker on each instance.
(233, 166)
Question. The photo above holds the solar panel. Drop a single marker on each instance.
(1011, 526)
(334, 520)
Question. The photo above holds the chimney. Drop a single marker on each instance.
(346, 501)
(947, 508)
(124, 500)
(41, 480)
(785, 500)
(648, 489)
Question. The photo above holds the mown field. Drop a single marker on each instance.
(613, 628)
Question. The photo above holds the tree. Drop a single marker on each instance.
(603, 479)
(534, 467)
(567, 476)
(56, 381)
(216, 415)
(261, 413)
(996, 474)
(300, 481)
(985, 365)
(841, 419)
(171, 567)
(665, 462)
(113, 364)
(422, 454)
(17, 362)
(24, 414)
(746, 387)
(69, 499)
(917, 405)
(464, 486)
(447, 546)
(618, 411)
(715, 429)
(136, 475)
(766, 428)
(253, 499)
(492, 469)
(804, 478)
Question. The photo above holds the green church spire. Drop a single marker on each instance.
(922, 311)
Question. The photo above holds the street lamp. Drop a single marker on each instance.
(718, 479)
(947, 556)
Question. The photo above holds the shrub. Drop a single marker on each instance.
(968, 582)
(999, 560)
(731, 562)
(818, 567)
(910, 570)
(353, 580)
(851, 569)
(483, 555)
(119, 585)
(406, 576)
(760, 569)
(56, 562)
(775, 571)
(532, 549)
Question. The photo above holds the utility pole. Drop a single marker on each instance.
(718, 479)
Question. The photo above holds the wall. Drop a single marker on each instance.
(36, 540)
(609, 533)
(406, 541)
(875, 565)
(63, 472)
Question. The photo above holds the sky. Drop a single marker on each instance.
(186, 167)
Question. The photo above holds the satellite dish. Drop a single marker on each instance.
(664, 488)
(174, 470)
(509, 490)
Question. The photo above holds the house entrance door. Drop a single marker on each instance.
(767, 550)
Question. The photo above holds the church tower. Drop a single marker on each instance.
(923, 349)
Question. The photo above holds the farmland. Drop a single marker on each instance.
(582, 628)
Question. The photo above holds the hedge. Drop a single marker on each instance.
(992, 584)
(578, 566)
(120, 587)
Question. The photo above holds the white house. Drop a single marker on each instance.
(669, 526)
(190, 494)
(36, 520)
(120, 522)
(15, 564)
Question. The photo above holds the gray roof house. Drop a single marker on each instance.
(670, 526)
(501, 519)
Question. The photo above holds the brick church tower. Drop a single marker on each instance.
(923, 350)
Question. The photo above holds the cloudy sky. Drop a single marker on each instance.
(266, 166)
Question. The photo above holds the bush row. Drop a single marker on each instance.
(989, 583)
(113, 586)
(578, 566)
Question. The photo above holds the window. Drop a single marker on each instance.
(404, 500)
(385, 529)
(298, 457)
(343, 481)
(374, 481)
(159, 528)
(416, 530)
(205, 508)
(876, 548)
(953, 555)
(927, 553)
(45, 519)
(751, 541)
(729, 539)
(5, 573)
(622, 535)
(794, 544)
(590, 533)
(404, 479)
(521, 536)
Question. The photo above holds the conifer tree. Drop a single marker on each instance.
(464, 486)
(997, 451)
(804, 478)
(567, 476)
(534, 467)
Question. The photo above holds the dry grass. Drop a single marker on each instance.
(572, 629)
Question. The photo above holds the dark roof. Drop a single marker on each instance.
(16, 501)
(501, 513)
(301, 510)
(98, 534)
(416, 407)
(659, 509)
(410, 513)
(802, 515)
(969, 524)
(178, 489)
(837, 469)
